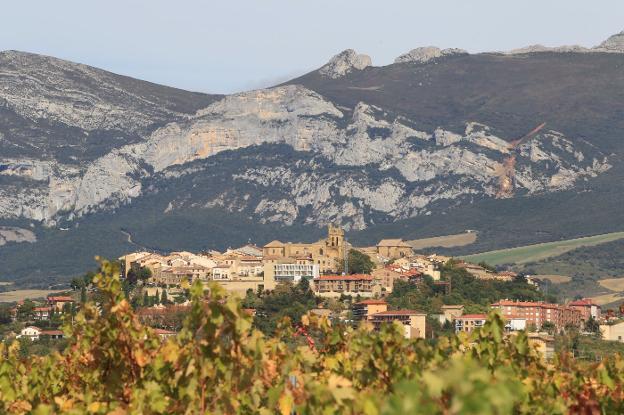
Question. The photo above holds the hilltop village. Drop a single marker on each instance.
(367, 276)
(428, 295)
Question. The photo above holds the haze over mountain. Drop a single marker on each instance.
(96, 163)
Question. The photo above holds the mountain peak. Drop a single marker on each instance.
(427, 53)
(345, 62)
(614, 43)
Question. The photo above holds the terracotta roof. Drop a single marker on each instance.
(163, 331)
(474, 316)
(60, 298)
(393, 242)
(524, 304)
(583, 302)
(371, 302)
(42, 309)
(399, 313)
(354, 277)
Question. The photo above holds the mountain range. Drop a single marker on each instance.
(97, 163)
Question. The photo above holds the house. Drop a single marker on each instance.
(538, 313)
(449, 313)
(469, 322)
(364, 310)
(52, 334)
(42, 313)
(543, 343)
(394, 248)
(588, 309)
(59, 302)
(613, 332)
(30, 332)
(164, 334)
(387, 276)
(337, 285)
(414, 322)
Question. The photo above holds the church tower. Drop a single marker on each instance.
(335, 237)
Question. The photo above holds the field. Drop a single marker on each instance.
(555, 279)
(608, 298)
(537, 252)
(18, 295)
(447, 241)
(613, 284)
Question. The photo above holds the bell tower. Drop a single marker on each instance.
(335, 237)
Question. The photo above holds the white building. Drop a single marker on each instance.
(30, 332)
(294, 272)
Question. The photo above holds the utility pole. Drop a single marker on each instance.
(345, 257)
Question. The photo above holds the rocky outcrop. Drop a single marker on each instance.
(12, 234)
(614, 44)
(428, 53)
(344, 63)
(432, 166)
(542, 48)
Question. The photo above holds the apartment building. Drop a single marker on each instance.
(414, 322)
(469, 322)
(588, 309)
(537, 313)
(293, 272)
(364, 310)
(337, 285)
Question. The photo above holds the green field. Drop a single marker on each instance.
(537, 252)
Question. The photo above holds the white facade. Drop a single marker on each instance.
(516, 324)
(30, 332)
(294, 272)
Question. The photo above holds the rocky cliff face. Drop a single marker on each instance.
(418, 168)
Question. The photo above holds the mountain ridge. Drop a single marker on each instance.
(349, 143)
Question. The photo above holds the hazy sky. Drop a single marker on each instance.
(231, 45)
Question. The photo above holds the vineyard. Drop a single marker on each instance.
(218, 363)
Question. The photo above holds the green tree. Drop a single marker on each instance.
(592, 326)
(5, 314)
(163, 298)
(549, 327)
(358, 263)
(25, 312)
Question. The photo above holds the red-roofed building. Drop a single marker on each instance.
(52, 334)
(58, 302)
(364, 310)
(538, 313)
(164, 334)
(42, 313)
(336, 285)
(469, 322)
(587, 307)
(414, 322)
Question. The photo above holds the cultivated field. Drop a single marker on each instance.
(18, 295)
(448, 241)
(537, 252)
(555, 279)
(613, 284)
(608, 298)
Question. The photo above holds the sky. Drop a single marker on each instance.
(233, 45)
